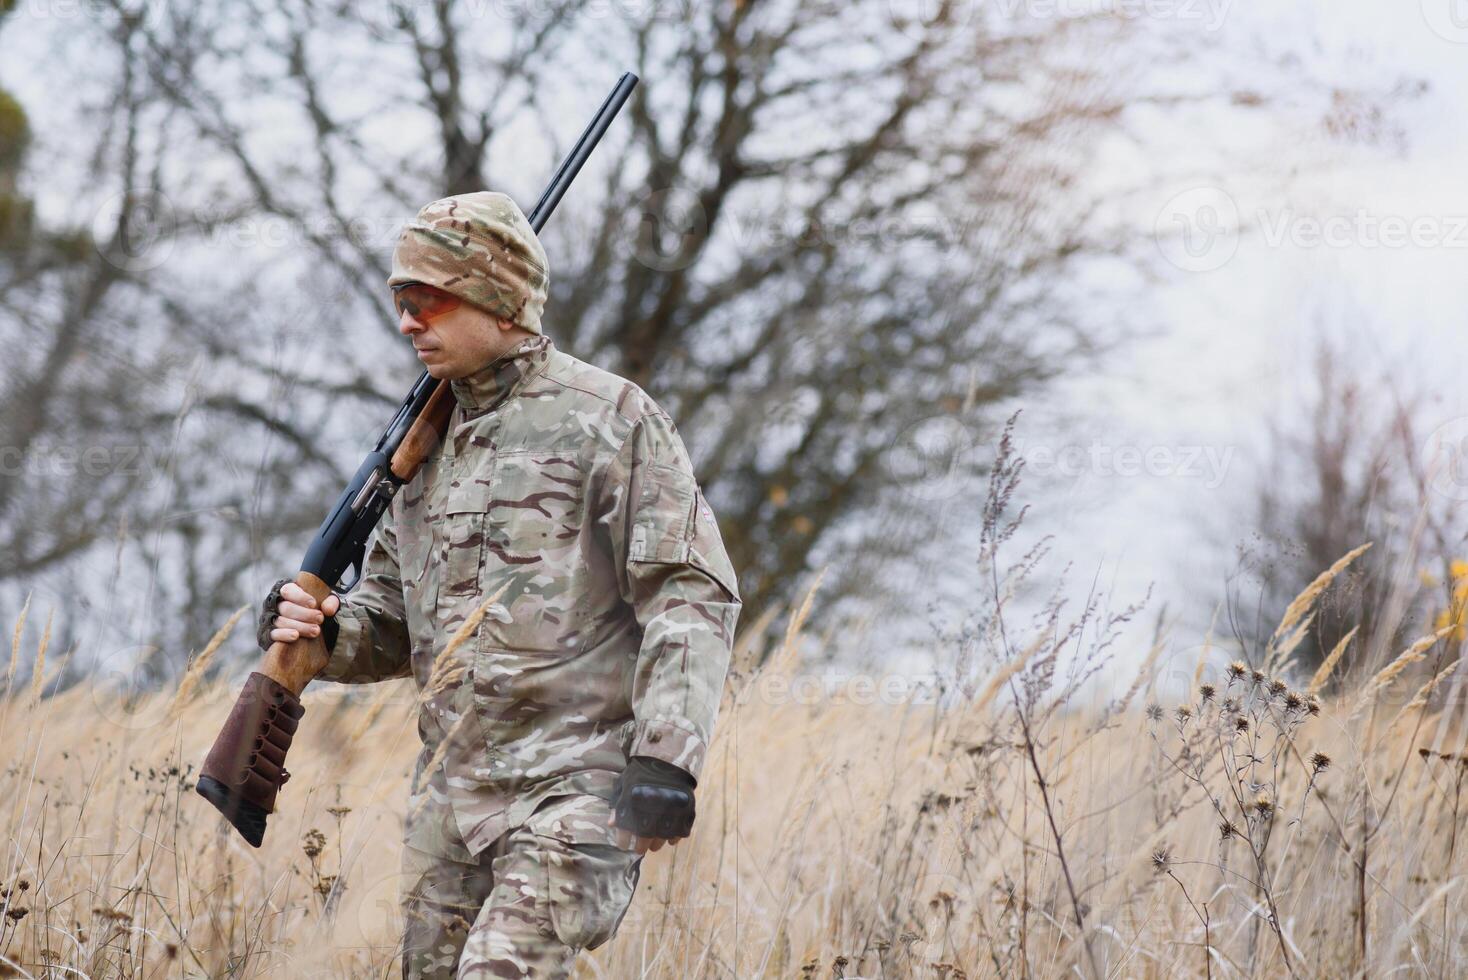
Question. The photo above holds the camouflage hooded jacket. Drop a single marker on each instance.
(564, 493)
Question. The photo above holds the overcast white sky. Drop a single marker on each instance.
(1240, 310)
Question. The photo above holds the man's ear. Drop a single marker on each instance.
(504, 325)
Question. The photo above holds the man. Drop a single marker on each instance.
(561, 530)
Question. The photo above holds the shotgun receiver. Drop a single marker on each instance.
(246, 766)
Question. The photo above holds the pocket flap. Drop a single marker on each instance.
(470, 494)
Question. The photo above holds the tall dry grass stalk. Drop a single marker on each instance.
(194, 673)
(1021, 821)
(15, 644)
(836, 838)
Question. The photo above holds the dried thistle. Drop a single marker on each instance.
(1237, 670)
(1228, 830)
(1206, 692)
(313, 843)
(1263, 805)
(1319, 762)
(1154, 712)
(1161, 860)
(1241, 724)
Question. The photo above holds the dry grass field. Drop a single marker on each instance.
(1244, 831)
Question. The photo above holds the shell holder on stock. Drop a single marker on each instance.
(246, 767)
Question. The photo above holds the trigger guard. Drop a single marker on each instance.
(341, 588)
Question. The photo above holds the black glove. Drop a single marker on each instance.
(653, 798)
(270, 608)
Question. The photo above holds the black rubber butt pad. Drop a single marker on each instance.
(248, 818)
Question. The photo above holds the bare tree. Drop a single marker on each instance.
(1344, 468)
(819, 229)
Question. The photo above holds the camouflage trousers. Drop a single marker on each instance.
(525, 906)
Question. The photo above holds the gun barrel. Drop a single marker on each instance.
(233, 778)
(579, 154)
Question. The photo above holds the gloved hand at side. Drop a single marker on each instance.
(653, 804)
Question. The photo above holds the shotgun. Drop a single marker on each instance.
(246, 766)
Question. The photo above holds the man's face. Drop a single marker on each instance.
(457, 342)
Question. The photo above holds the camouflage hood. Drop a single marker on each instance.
(481, 248)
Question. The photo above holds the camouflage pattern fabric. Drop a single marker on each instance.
(526, 905)
(561, 521)
(481, 248)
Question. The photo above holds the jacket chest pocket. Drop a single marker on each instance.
(530, 544)
(466, 503)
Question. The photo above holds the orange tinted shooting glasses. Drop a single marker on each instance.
(423, 302)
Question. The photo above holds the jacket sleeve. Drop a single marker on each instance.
(372, 641)
(674, 573)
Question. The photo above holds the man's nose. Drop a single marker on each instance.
(407, 326)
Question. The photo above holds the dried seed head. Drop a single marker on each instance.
(1277, 687)
(1293, 701)
(1241, 724)
(1258, 677)
(1228, 830)
(1184, 712)
(1161, 860)
(1320, 762)
(1312, 705)
(313, 843)
(1237, 669)
(1263, 805)
(1154, 712)
(1206, 692)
